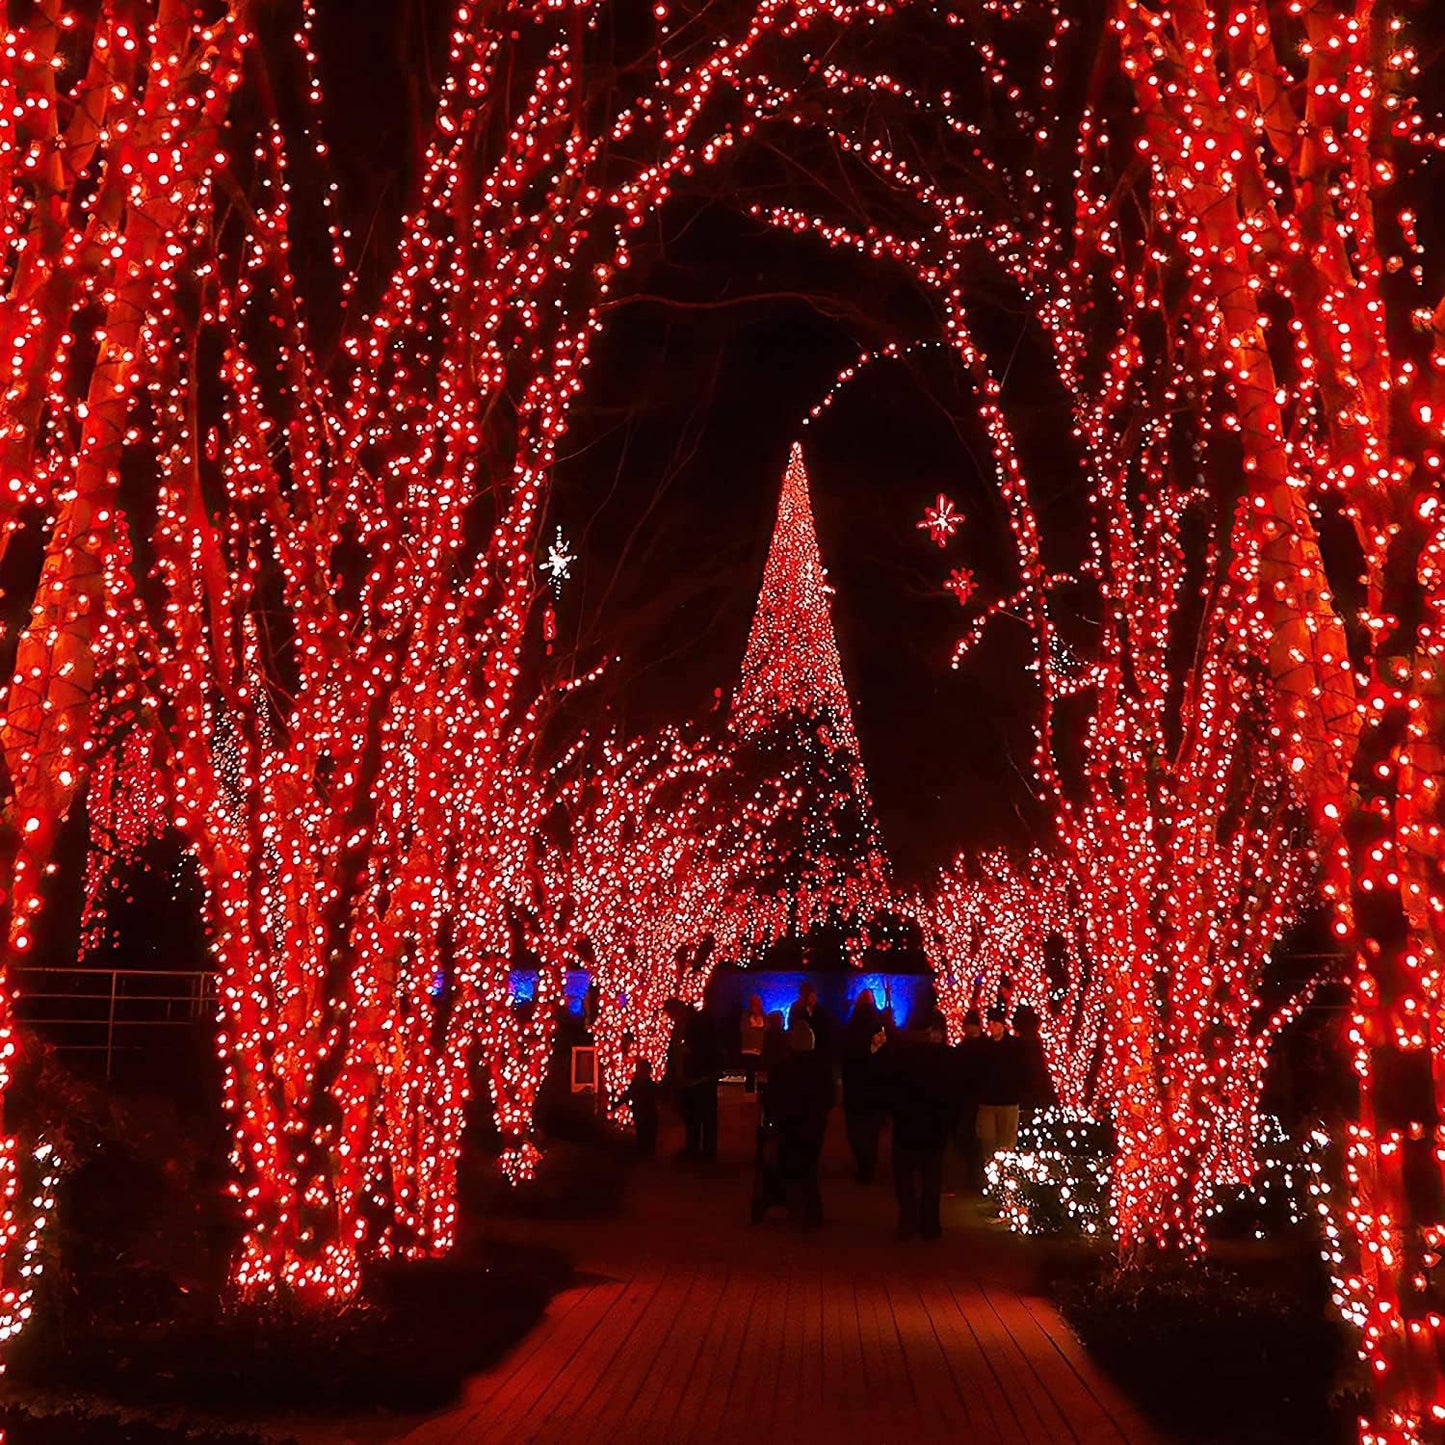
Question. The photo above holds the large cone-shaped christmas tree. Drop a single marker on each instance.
(809, 852)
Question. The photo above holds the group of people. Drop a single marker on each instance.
(936, 1097)
(967, 1097)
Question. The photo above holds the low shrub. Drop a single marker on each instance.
(1219, 1353)
(131, 1307)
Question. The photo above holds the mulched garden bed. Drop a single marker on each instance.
(129, 1314)
(1245, 1352)
(35, 1424)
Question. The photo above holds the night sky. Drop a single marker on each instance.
(670, 475)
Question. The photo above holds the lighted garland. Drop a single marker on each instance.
(1057, 1180)
(22, 1242)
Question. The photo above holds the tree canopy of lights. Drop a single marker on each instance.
(800, 834)
(641, 881)
(317, 607)
(1243, 181)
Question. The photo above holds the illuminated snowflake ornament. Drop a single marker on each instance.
(962, 583)
(941, 520)
(558, 564)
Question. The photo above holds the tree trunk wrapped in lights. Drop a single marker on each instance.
(104, 185)
(338, 644)
(1187, 864)
(1282, 148)
(1175, 865)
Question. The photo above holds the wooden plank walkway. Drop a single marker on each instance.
(689, 1326)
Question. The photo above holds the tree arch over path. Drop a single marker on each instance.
(309, 584)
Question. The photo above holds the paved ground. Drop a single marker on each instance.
(685, 1324)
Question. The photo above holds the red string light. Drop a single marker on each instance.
(334, 665)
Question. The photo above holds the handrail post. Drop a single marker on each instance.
(110, 1028)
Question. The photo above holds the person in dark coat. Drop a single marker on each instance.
(864, 1101)
(971, 1066)
(922, 1083)
(807, 1008)
(641, 1094)
(1037, 1090)
(775, 1044)
(799, 1096)
(695, 1061)
(1001, 1089)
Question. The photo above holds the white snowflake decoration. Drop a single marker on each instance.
(560, 558)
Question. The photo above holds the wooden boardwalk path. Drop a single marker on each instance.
(687, 1325)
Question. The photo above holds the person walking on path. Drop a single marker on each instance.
(807, 1008)
(695, 1061)
(1001, 1088)
(799, 1097)
(754, 1030)
(864, 1103)
(922, 1083)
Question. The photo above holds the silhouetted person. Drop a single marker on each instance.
(775, 1043)
(807, 1008)
(695, 1060)
(799, 1096)
(641, 1094)
(751, 1035)
(972, 1065)
(865, 1103)
(922, 1083)
(923, 1011)
(1036, 1083)
(1001, 1089)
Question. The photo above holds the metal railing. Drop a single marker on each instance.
(94, 1010)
